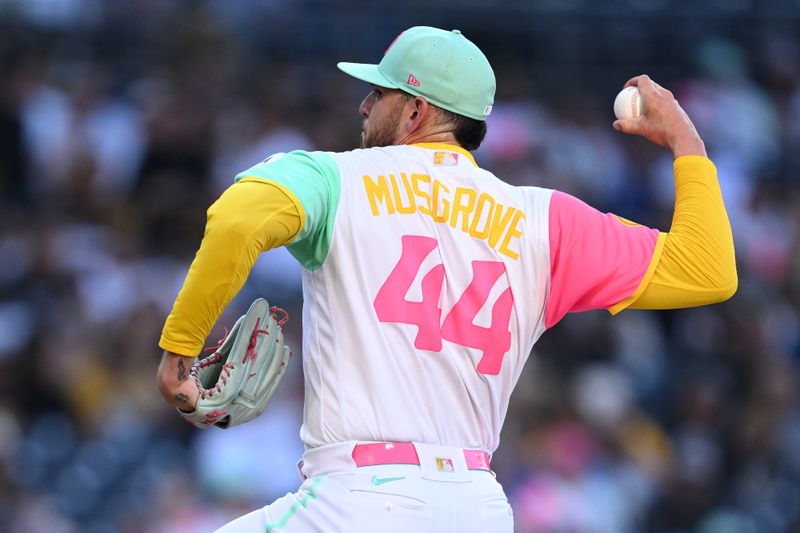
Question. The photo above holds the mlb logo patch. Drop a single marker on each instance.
(445, 158)
(443, 464)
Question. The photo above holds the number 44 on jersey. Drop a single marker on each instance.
(457, 327)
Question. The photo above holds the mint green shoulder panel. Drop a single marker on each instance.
(313, 177)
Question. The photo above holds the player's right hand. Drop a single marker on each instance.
(663, 120)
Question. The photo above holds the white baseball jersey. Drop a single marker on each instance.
(427, 282)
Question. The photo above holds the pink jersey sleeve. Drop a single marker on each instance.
(597, 261)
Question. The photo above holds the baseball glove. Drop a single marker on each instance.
(237, 381)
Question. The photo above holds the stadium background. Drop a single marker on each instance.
(120, 122)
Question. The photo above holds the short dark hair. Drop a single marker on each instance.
(468, 132)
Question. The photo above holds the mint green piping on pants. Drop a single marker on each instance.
(303, 502)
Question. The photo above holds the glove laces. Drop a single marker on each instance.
(251, 346)
(216, 357)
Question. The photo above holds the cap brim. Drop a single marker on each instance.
(366, 72)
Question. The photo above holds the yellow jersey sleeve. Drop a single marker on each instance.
(697, 265)
(249, 218)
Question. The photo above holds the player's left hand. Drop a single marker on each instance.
(234, 384)
(175, 383)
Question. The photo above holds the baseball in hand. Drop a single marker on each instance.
(628, 103)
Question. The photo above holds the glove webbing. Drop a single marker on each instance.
(216, 357)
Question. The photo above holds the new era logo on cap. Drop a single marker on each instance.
(412, 80)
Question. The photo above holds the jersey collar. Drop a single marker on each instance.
(447, 147)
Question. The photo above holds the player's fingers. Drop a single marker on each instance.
(633, 82)
(638, 81)
(628, 125)
(663, 91)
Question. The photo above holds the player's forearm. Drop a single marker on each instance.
(216, 275)
(246, 220)
(697, 265)
(175, 383)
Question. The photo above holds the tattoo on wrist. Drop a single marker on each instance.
(182, 398)
(181, 370)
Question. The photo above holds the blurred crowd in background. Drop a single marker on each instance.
(121, 122)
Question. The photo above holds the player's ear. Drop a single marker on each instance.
(416, 111)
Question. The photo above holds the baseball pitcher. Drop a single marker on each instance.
(427, 281)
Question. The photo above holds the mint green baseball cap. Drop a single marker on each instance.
(444, 67)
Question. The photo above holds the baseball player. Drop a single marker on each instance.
(427, 281)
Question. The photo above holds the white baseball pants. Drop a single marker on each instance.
(338, 497)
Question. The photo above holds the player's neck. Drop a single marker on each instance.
(418, 137)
